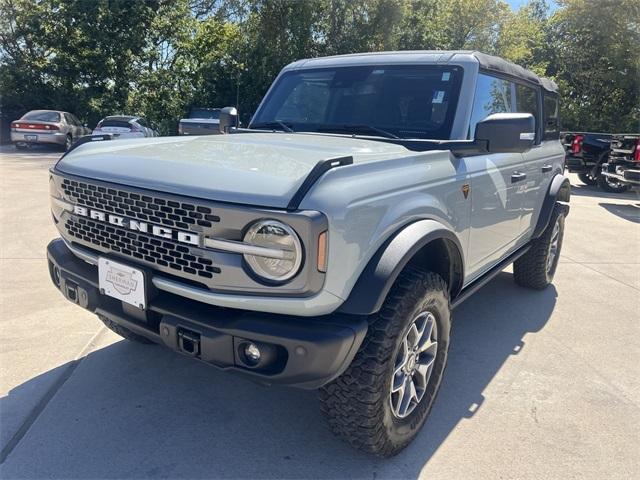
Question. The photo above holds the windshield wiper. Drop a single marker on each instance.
(355, 129)
(275, 123)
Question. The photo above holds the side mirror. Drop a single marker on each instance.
(507, 132)
(228, 119)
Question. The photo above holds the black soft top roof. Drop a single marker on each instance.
(499, 65)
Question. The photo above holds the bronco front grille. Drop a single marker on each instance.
(164, 254)
(141, 246)
(143, 207)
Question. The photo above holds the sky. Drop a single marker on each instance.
(516, 4)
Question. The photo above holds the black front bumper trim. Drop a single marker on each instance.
(310, 351)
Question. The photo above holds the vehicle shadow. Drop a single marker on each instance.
(582, 190)
(629, 212)
(134, 411)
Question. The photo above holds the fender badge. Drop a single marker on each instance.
(465, 190)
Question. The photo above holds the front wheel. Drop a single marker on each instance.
(611, 185)
(382, 400)
(536, 268)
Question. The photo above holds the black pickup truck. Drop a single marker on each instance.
(623, 164)
(585, 155)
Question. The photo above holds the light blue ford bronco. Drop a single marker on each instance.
(325, 245)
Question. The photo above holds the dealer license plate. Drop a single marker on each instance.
(122, 282)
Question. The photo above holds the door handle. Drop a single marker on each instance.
(518, 177)
(547, 168)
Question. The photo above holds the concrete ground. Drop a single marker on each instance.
(539, 384)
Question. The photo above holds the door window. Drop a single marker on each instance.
(492, 95)
(527, 102)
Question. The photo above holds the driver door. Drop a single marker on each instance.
(497, 184)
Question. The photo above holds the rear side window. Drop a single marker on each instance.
(551, 117)
(42, 116)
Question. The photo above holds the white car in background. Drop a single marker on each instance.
(125, 126)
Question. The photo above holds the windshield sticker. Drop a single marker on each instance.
(438, 96)
(446, 76)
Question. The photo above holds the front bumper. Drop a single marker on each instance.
(305, 352)
(48, 138)
(622, 174)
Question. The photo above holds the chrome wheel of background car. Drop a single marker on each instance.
(414, 364)
(553, 247)
(67, 143)
(614, 183)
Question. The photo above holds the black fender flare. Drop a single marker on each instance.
(375, 281)
(559, 192)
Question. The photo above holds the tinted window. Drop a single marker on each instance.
(116, 122)
(551, 117)
(492, 95)
(497, 95)
(407, 101)
(42, 116)
(527, 102)
(204, 113)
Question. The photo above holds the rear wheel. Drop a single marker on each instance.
(382, 400)
(124, 332)
(588, 178)
(611, 185)
(67, 143)
(536, 268)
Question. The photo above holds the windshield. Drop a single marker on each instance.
(204, 113)
(43, 116)
(404, 101)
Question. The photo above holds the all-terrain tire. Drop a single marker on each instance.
(357, 404)
(587, 179)
(124, 332)
(612, 187)
(534, 269)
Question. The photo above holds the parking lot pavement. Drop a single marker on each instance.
(539, 384)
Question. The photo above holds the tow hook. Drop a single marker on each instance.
(189, 342)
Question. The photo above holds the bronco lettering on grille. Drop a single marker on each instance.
(135, 225)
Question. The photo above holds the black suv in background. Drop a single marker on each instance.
(585, 155)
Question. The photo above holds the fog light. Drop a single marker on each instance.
(252, 353)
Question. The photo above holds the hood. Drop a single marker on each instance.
(263, 169)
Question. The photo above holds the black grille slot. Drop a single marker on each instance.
(164, 253)
(143, 247)
(169, 213)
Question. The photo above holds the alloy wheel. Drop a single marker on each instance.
(553, 247)
(414, 364)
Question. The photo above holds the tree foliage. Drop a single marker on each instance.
(159, 57)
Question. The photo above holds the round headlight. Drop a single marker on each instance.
(280, 254)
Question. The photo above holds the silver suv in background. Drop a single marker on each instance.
(125, 126)
(50, 127)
